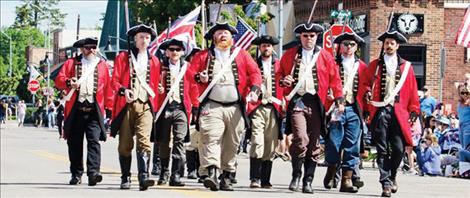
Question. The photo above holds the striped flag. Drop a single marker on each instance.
(182, 28)
(245, 34)
(463, 35)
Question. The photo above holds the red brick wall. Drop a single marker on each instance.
(456, 66)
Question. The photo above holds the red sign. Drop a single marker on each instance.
(33, 86)
(330, 35)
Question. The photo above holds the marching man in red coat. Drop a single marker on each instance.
(393, 105)
(344, 130)
(177, 96)
(227, 79)
(307, 73)
(86, 80)
(135, 83)
(265, 115)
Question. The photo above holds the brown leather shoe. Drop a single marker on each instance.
(394, 186)
(386, 192)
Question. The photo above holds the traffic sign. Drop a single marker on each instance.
(33, 86)
(334, 31)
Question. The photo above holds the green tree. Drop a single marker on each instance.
(32, 12)
(21, 38)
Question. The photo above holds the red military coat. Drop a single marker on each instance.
(327, 72)
(190, 90)
(361, 89)
(248, 71)
(408, 101)
(121, 80)
(103, 97)
(279, 89)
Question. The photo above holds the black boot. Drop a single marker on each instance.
(125, 163)
(225, 183)
(266, 167)
(346, 182)
(155, 160)
(329, 179)
(164, 171)
(75, 180)
(94, 179)
(309, 167)
(255, 172)
(233, 177)
(191, 157)
(175, 179)
(296, 173)
(211, 180)
(143, 160)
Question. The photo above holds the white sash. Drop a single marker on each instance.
(220, 74)
(88, 72)
(396, 90)
(304, 76)
(143, 82)
(174, 86)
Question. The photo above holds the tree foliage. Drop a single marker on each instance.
(21, 38)
(32, 12)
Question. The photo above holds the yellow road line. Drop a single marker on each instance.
(198, 193)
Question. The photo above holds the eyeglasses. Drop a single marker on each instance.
(90, 47)
(465, 93)
(309, 35)
(171, 49)
(346, 44)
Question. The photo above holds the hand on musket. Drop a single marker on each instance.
(160, 88)
(288, 81)
(203, 76)
(129, 94)
(74, 84)
(368, 97)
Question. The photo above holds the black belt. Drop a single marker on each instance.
(225, 103)
(174, 105)
(85, 107)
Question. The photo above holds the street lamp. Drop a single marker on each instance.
(10, 68)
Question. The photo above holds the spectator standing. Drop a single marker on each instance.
(51, 113)
(21, 112)
(60, 116)
(39, 113)
(427, 103)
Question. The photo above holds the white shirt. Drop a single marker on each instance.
(224, 90)
(308, 85)
(348, 64)
(140, 66)
(307, 56)
(267, 85)
(142, 60)
(174, 71)
(391, 63)
(86, 88)
(222, 55)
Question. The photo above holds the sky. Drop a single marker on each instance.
(90, 13)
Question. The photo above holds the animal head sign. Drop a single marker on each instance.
(408, 23)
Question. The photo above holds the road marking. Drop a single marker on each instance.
(197, 193)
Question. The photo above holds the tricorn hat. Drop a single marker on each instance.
(308, 27)
(142, 28)
(348, 36)
(393, 35)
(85, 41)
(220, 26)
(265, 39)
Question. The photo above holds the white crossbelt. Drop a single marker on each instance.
(396, 90)
(304, 76)
(143, 82)
(81, 80)
(173, 87)
(225, 65)
(348, 83)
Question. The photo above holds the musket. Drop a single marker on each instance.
(312, 11)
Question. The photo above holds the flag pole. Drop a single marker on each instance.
(203, 19)
(168, 29)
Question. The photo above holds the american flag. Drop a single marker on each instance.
(463, 35)
(245, 34)
(181, 28)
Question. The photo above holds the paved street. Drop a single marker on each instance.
(34, 163)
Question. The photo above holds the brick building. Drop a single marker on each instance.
(434, 24)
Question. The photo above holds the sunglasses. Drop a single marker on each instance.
(174, 49)
(465, 93)
(346, 44)
(309, 35)
(89, 47)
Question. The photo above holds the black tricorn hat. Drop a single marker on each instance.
(85, 41)
(393, 35)
(308, 27)
(348, 36)
(172, 41)
(142, 28)
(220, 26)
(265, 39)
